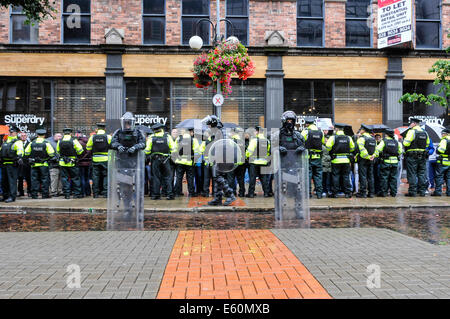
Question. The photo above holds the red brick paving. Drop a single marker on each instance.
(236, 264)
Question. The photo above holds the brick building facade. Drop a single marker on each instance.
(345, 82)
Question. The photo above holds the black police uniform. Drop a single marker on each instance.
(161, 170)
(40, 173)
(11, 160)
(100, 147)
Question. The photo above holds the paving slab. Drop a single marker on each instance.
(42, 260)
(397, 256)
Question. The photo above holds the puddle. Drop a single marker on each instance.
(431, 225)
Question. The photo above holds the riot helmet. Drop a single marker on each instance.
(127, 121)
(285, 117)
(213, 121)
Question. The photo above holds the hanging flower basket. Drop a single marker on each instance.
(220, 64)
(200, 70)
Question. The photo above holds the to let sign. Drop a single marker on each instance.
(394, 22)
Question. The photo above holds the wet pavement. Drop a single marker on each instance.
(428, 224)
(198, 204)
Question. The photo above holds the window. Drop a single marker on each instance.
(154, 21)
(307, 98)
(428, 24)
(76, 17)
(237, 13)
(435, 111)
(191, 12)
(310, 23)
(22, 98)
(357, 31)
(357, 102)
(79, 103)
(21, 32)
(148, 97)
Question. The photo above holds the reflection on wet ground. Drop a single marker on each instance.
(431, 225)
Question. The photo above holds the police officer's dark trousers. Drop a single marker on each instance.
(339, 171)
(237, 174)
(100, 178)
(9, 181)
(208, 180)
(161, 176)
(416, 165)
(442, 175)
(181, 169)
(73, 174)
(40, 176)
(366, 180)
(315, 173)
(388, 178)
(253, 172)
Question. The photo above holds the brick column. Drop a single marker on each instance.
(374, 19)
(173, 22)
(445, 23)
(335, 23)
(4, 25)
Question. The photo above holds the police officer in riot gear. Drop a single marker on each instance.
(68, 149)
(314, 138)
(290, 139)
(12, 157)
(340, 147)
(416, 143)
(366, 155)
(39, 152)
(99, 143)
(443, 164)
(219, 177)
(160, 146)
(389, 151)
(128, 141)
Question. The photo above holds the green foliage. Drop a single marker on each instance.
(442, 70)
(35, 10)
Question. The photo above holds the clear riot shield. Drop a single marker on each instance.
(291, 186)
(225, 155)
(125, 191)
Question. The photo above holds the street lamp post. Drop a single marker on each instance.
(196, 43)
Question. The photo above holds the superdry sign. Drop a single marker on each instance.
(394, 22)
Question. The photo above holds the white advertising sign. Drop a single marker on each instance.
(394, 22)
(149, 119)
(23, 120)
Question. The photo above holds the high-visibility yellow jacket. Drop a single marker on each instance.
(48, 148)
(17, 147)
(255, 157)
(390, 159)
(78, 149)
(170, 142)
(340, 158)
(443, 144)
(187, 159)
(305, 134)
(410, 136)
(98, 157)
(361, 141)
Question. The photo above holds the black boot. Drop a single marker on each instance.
(216, 201)
(229, 200)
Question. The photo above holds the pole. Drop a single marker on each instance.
(218, 110)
